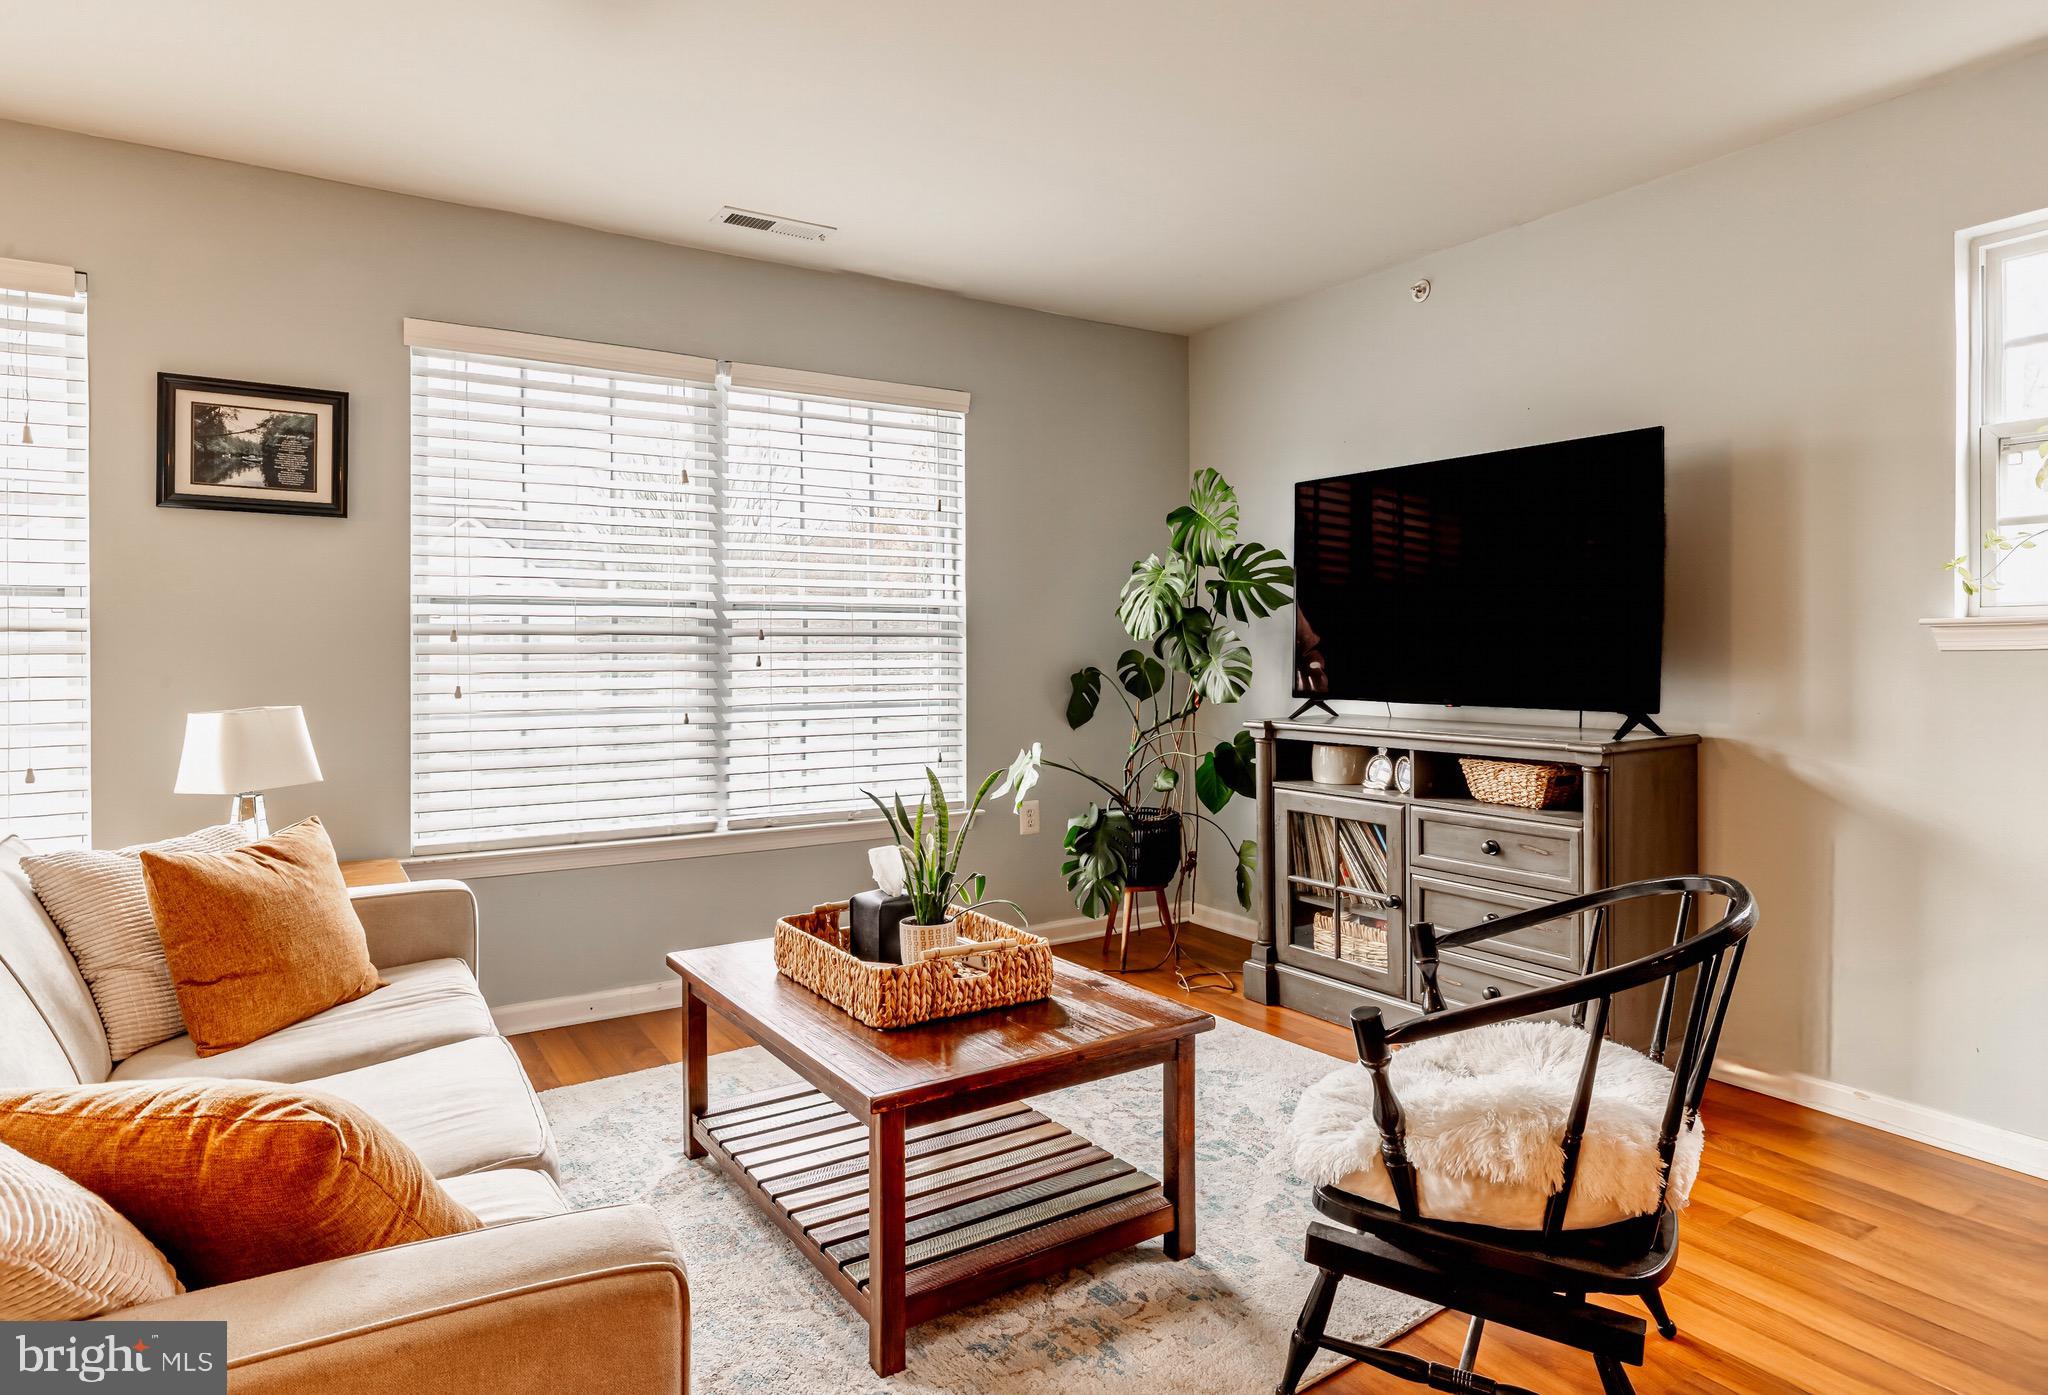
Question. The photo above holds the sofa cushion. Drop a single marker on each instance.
(30, 1053)
(463, 1108)
(421, 1006)
(50, 1032)
(506, 1194)
(235, 1178)
(64, 1253)
(258, 937)
(98, 901)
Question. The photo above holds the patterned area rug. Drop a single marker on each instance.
(763, 1322)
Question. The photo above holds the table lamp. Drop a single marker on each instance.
(242, 753)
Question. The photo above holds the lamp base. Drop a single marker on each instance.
(248, 811)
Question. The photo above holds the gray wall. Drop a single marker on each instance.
(1076, 449)
(1787, 313)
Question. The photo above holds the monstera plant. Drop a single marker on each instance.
(1178, 608)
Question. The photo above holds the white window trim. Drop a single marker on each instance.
(1989, 632)
(1978, 624)
(40, 278)
(558, 857)
(546, 348)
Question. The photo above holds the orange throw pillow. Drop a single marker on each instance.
(235, 1178)
(259, 937)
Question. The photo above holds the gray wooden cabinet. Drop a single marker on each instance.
(1348, 868)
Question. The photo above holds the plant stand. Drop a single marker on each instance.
(1188, 971)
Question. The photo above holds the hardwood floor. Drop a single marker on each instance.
(1819, 1255)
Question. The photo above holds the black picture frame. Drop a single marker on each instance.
(277, 466)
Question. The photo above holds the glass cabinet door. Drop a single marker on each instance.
(1336, 882)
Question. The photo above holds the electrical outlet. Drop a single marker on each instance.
(1027, 817)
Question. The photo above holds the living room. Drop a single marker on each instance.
(523, 559)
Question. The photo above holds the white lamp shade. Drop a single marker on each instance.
(246, 750)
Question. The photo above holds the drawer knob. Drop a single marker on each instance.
(1491, 915)
(1491, 993)
(1490, 848)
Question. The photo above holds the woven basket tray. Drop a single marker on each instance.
(1523, 784)
(1017, 968)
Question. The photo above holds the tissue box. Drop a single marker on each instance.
(874, 919)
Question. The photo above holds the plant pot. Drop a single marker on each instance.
(916, 938)
(1155, 849)
(1337, 765)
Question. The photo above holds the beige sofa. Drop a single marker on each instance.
(544, 1299)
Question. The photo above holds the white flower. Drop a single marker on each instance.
(1022, 775)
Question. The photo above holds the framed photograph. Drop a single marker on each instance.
(259, 447)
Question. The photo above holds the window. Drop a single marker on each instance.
(656, 594)
(45, 789)
(2005, 522)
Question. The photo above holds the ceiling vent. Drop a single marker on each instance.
(769, 223)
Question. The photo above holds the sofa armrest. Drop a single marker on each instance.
(591, 1301)
(409, 921)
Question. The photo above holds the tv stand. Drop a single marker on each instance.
(1345, 871)
(1311, 705)
(1634, 720)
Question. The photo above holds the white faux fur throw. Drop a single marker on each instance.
(1488, 1106)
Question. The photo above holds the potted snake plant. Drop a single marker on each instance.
(1178, 607)
(931, 843)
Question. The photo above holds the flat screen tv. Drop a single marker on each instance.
(1522, 578)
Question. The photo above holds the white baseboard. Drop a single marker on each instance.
(1081, 927)
(1949, 1132)
(1229, 922)
(539, 1014)
(1066, 931)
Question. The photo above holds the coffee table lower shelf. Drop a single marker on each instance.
(991, 1199)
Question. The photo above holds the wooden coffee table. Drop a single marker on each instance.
(908, 1167)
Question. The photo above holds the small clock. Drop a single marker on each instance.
(1379, 771)
(1404, 773)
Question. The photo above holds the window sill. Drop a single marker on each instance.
(1988, 632)
(513, 862)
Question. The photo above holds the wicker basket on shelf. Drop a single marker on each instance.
(994, 965)
(1523, 784)
(1364, 942)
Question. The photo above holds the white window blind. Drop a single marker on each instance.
(844, 601)
(650, 600)
(564, 631)
(45, 788)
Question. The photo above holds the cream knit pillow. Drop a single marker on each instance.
(99, 902)
(64, 1253)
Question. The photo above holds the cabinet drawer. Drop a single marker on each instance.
(1448, 905)
(1464, 981)
(1504, 849)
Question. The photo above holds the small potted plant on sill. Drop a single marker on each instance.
(930, 843)
(1177, 606)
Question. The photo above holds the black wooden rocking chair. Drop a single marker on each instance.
(1534, 1280)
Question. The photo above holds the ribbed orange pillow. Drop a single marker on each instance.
(259, 937)
(235, 1178)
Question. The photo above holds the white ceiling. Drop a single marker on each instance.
(1164, 163)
